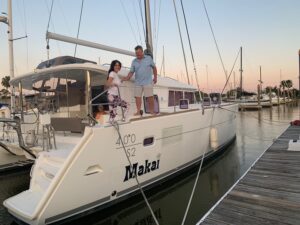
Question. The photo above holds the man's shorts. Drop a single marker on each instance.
(147, 89)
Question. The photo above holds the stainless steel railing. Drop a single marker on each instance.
(98, 104)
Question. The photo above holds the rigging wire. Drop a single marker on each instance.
(162, 67)
(116, 126)
(157, 32)
(79, 23)
(197, 177)
(64, 16)
(50, 13)
(49, 21)
(182, 46)
(24, 24)
(228, 77)
(154, 25)
(27, 48)
(137, 23)
(214, 37)
(191, 49)
(142, 17)
(127, 17)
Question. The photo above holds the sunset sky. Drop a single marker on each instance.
(268, 30)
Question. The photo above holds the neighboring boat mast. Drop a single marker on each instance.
(8, 20)
(299, 71)
(241, 72)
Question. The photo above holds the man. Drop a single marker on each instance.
(142, 66)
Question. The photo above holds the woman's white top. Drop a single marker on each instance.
(113, 90)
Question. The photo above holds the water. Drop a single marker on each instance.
(255, 132)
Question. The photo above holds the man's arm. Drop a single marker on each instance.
(155, 74)
(130, 74)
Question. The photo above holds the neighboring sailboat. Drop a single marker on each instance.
(82, 165)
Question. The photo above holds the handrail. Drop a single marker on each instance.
(17, 128)
(103, 92)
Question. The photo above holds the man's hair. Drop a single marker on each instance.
(138, 47)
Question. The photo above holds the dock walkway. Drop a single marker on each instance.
(268, 193)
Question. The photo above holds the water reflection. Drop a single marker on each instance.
(169, 201)
(10, 185)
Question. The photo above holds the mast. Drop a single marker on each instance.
(10, 39)
(149, 44)
(260, 81)
(164, 61)
(206, 66)
(241, 72)
(280, 81)
(234, 88)
(299, 72)
(11, 51)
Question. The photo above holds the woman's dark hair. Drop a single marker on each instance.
(112, 65)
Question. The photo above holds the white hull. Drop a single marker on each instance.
(96, 172)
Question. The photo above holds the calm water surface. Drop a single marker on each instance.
(255, 132)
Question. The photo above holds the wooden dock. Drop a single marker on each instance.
(268, 193)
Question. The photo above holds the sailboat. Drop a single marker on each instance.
(81, 164)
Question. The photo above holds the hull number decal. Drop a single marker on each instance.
(131, 151)
(128, 139)
(130, 144)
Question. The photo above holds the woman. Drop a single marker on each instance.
(113, 82)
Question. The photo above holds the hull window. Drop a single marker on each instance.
(190, 96)
(148, 141)
(174, 97)
(216, 98)
(147, 105)
(184, 104)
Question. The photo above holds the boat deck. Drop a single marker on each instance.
(9, 162)
(268, 193)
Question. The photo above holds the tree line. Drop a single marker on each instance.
(4, 92)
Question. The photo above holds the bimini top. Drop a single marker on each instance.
(77, 72)
(62, 60)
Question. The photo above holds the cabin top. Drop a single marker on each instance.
(77, 71)
(62, 60)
